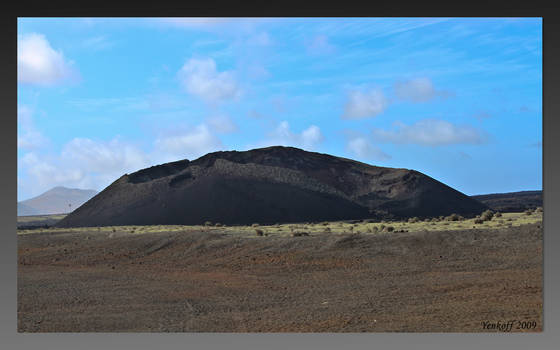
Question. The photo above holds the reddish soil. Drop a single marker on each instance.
(211, 282)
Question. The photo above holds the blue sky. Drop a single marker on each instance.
(459, 99)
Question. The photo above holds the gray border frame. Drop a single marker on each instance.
(10, 339)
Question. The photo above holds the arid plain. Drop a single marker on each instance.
(439, 275)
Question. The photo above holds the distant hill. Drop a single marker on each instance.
(23, 210)
(512, 201)
(268, 185)
(58, 200)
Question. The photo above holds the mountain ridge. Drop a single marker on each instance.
(268, 185)
(57, 200)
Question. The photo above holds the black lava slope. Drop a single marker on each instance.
(512, 201)
(268, 185)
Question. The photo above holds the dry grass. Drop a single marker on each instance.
(367, 227)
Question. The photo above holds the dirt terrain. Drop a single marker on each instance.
(217, 279)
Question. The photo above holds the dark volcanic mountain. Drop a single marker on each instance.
(268, 185)
(512, 201)
(57, 200)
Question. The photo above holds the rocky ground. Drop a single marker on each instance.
(212, 280)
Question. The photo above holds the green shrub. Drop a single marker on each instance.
(478, 221)
(299, 234)
(498, 214)
(255, 225)
(208, 223)
(390, 228)
(487, 215)
(259, 232)
(454, 217)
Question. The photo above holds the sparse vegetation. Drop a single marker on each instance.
(259, 232)
(487, 215)
(339, 227)
(454, 217)
(299, 234)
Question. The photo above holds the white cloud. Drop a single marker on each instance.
(283, 136)
(418, 90)
(200, 77)
(360, 147)
(98, 43)
(311, 136)
(89, 164)
(365, 104)
(114, 156)
(257, 72)
(222, 124)
(49, 173)
(83, 163)
(188, 144)
(430, 132)
(40, 64)
(28, 136)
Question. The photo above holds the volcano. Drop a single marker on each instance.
(268, 185)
